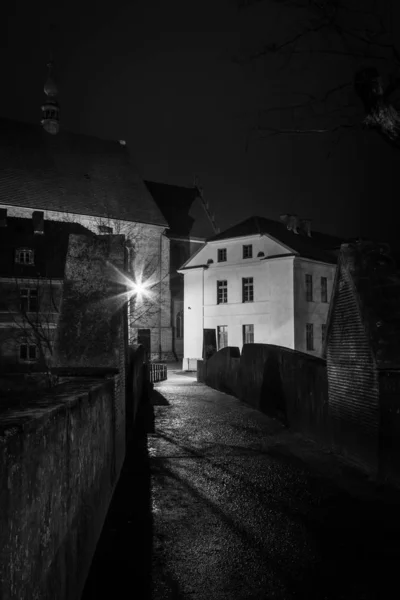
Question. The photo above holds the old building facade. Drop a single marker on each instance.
(80, 179)
(259, 281)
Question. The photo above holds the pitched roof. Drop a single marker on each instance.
(319, 246)
(72, 173)
(50, 248)
(182, 209)
(376, 284)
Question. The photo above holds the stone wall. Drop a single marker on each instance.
(59, 466)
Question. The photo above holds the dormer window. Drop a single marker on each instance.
(24, 256)
(105, 229)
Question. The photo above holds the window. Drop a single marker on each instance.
(179, 325)
(222, 331)
(248, 334)
(323, 333)
(248, 251)
(309, 288)
(324, 289)
(222, 255)
(310, 336)
(248, 289)
(28, 300)
(24, 256)
(222, 292)
(28, 352)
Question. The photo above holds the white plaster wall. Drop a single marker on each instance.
(193, 316)
(315, 312)
(271, 312)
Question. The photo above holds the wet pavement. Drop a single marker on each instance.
(217, 501)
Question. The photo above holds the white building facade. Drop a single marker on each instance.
(254, 288)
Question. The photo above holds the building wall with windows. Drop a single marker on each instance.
(313, 284)
(288, 305)
(263, 310)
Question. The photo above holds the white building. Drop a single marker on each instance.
(260, 281)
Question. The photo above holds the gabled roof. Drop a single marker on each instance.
(50, 248)
(319, 246)
(71, 173)
(182, 209)
(375, 282)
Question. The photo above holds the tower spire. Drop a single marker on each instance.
(50, 107)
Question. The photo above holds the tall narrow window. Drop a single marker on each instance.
(222, 292)
(248, 334)
(309, 336)
(28, 300)
(248, 251)
(222, 331)
(309, 288)
(324, 289)
(247, 289)
(323, 333)
(222, 255)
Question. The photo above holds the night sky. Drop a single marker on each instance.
(161, 75)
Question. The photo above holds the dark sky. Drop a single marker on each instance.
(161, 76)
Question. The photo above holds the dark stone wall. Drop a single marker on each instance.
(59, 467)
(285, 384)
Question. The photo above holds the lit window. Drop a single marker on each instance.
(324, 289)
(222, 331)
(310, 336)
(323, 333)
(28, 352)
(222, 255)
(248, 334)
(28, 300)
(248, 251)
(248, 289)
(309, 288)
(222, 292)
(179, 325)
(24, 256)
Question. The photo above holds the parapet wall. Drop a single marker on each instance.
(60, 461)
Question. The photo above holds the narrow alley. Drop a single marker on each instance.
(217, 501)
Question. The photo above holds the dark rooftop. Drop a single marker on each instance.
(182, 209)
(71, 173)
(319, 246)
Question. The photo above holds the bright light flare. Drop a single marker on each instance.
(136, 287)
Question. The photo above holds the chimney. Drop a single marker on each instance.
(306, 226)
(3, 217)
(291, 222)
(38, 222)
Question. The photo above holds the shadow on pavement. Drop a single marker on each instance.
(122, 563)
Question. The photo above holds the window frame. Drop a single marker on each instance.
(26, 252)
(222, 255)
(323, 333)
(223, 289)
(28, 348)
(225, 335)
(309, 287)
(179, 325)
(247, 289)
(310, 347)
(31, 294)
(251, 333)
(324, 290)
(247, 251)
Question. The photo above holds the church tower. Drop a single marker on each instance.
(50, 108)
